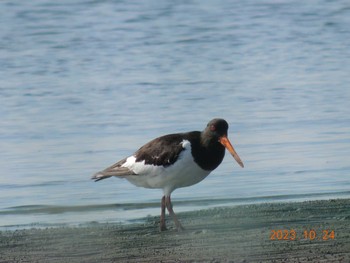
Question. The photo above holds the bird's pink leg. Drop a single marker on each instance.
(162, 215)
(169, 206)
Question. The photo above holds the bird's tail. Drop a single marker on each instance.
(114, 170)
(99, 176)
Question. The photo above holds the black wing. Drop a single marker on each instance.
(164, 150)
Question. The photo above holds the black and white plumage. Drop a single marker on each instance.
(174, 161)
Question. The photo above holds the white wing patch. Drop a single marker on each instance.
(140, 168)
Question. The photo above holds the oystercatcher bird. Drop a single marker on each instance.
(173, 161)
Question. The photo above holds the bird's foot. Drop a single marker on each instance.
(179, 227)
(163, 228)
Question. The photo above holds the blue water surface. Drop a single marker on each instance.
(86, 83)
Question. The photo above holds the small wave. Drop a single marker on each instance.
(51, 209)
(204, 203)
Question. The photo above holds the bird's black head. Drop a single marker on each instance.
(216, 128)
(216, 132)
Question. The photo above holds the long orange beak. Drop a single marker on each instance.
(226, 142)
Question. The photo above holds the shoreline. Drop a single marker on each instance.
(46, 215)
(268, 232)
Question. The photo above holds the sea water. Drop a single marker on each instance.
(84, 84)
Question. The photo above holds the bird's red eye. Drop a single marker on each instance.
(212, 128)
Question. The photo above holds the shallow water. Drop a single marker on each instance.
(86, 83)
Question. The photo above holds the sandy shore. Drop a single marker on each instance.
(234, 234)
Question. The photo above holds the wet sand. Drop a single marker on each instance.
(227, 234)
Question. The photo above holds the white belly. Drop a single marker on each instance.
(184, 172)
